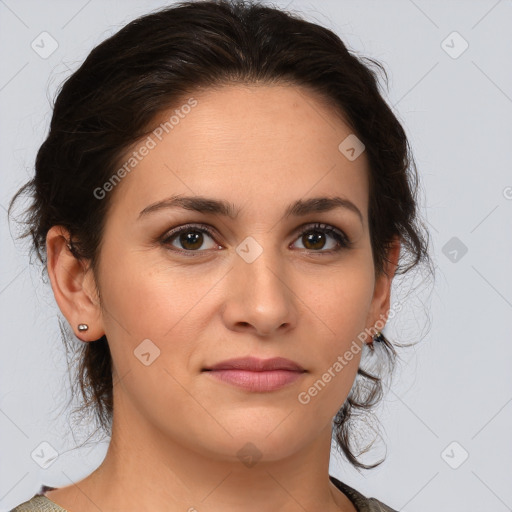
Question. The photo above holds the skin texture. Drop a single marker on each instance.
(176, 430)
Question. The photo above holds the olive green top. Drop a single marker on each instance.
(40, 503)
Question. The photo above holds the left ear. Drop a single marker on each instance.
(379, 309)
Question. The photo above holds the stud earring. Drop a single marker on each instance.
(83, 327)
(378, 337)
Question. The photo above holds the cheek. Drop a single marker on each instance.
(149, 294)
(337, 309)
(152, 320)
(339, 300)
(150, 298)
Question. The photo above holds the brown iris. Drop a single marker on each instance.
(191, 239)
(315, 238)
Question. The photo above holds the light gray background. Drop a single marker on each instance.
(455, 385)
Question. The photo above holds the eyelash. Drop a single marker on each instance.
(342, 240)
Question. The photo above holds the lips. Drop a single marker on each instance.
(254, 364)
(257, 375)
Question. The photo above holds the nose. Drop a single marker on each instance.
(259, 297)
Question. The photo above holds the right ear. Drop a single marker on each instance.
(73, 286)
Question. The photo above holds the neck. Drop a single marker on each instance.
(146, 468)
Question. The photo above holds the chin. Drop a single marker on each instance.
(259, 441)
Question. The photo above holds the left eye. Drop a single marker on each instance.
(316, 234)
(192, 237)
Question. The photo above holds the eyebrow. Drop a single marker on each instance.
(299, 208)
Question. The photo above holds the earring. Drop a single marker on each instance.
(83, 327)
(378, 337)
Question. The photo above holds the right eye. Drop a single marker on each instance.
(190, 237)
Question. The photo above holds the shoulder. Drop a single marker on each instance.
(361, 502)
(39, 503)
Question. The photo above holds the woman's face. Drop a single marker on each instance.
(265, 283)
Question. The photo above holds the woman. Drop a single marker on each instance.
(221, 204)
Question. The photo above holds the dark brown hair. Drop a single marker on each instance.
(111, 101)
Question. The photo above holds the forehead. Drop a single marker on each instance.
(249, 144)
